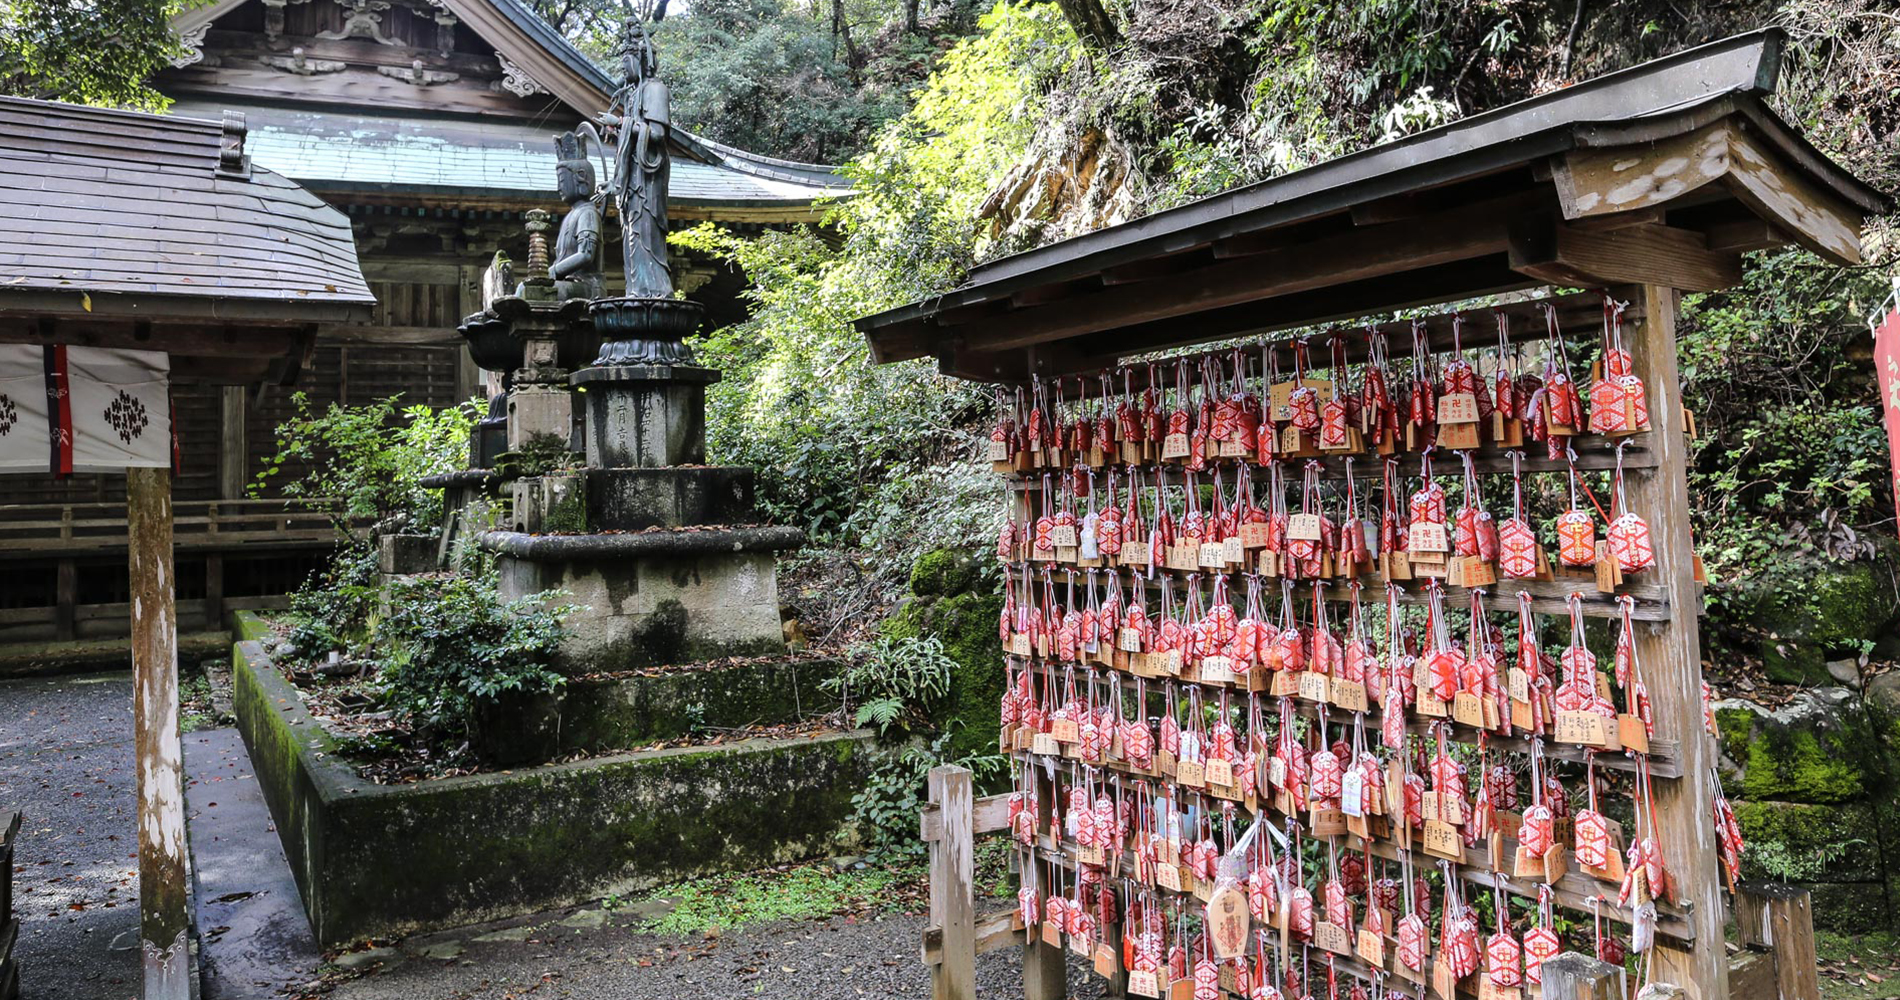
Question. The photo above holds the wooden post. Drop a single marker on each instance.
(1779, 919)
(1576, 976)
(65, 600)
(214, 592)
(1670, 657)
(1045, 969)
(233, 445)
(159, 760)
(952, 893)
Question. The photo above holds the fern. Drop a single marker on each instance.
(894, 681)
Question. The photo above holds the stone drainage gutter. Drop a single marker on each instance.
(381, 861)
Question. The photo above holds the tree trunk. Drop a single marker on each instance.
(841, 32)
(1091, 22)
(910, 16)
(659, 11)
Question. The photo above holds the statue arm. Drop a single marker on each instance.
(586, 248)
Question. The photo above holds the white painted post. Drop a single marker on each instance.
(159, 761)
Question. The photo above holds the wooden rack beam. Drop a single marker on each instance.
(1664, 754)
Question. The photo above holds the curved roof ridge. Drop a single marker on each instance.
(557, 45)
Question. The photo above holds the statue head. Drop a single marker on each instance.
(573, 171)
(638, 60)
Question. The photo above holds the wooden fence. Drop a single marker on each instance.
(1774, 925)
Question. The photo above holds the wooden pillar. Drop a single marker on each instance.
(1779, 919)
(952, 875)
(214, 592)
(233, 445)
(1576, 976)
(1045, 968)
(65, 600)
(1670, 656)
(159, 761)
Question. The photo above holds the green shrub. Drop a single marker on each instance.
(368, 462)
(451, 642)
(886, 808)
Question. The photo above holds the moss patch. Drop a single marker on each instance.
(966, 625)
(726, 902)
(1800, 765)
(943, 573)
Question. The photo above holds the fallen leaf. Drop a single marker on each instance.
(85, 301)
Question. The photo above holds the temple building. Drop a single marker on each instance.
(430, 125)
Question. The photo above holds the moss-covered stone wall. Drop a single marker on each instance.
(384, 861)
(1812, 783)
(596, 713)
(952, 602)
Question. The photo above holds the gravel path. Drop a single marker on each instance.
(588, 954)
(66, 762)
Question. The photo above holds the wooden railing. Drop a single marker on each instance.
(37, 531)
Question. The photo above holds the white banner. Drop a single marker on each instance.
(121, 413)
(25, 435)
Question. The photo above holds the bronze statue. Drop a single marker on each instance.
(641, 116)
(576, 269)
(647, 325)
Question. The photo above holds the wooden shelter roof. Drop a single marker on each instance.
(1665, 172)
(123, 229)
(156, 215)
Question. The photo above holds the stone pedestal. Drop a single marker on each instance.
(654, 598)
(539, 412)
(644, 416)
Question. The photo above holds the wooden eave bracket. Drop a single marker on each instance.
(1550, 251)
(1595, 183)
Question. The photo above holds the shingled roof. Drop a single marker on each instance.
(121, 213)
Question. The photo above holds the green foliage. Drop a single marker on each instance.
(450, 642)
(1783, 863)
(764, 77)
(728, 902)
(331, 611)
(368, 462)
(893, 681)
(886, 808)
(853, 452)
(101, 52)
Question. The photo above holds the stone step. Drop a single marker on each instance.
(617, 711)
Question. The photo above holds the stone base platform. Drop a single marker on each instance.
(383, 861)
(654, 597)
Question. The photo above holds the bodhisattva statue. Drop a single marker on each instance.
(576, 267)
(640, 115)
(647, 326)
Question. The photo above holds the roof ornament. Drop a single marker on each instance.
(516, 80)
(193, 41)
(362, 19)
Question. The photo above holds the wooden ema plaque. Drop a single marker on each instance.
(1144, 984)
(1333, 938)
(1227, 921)
(1371, 948)
(1588, 729)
